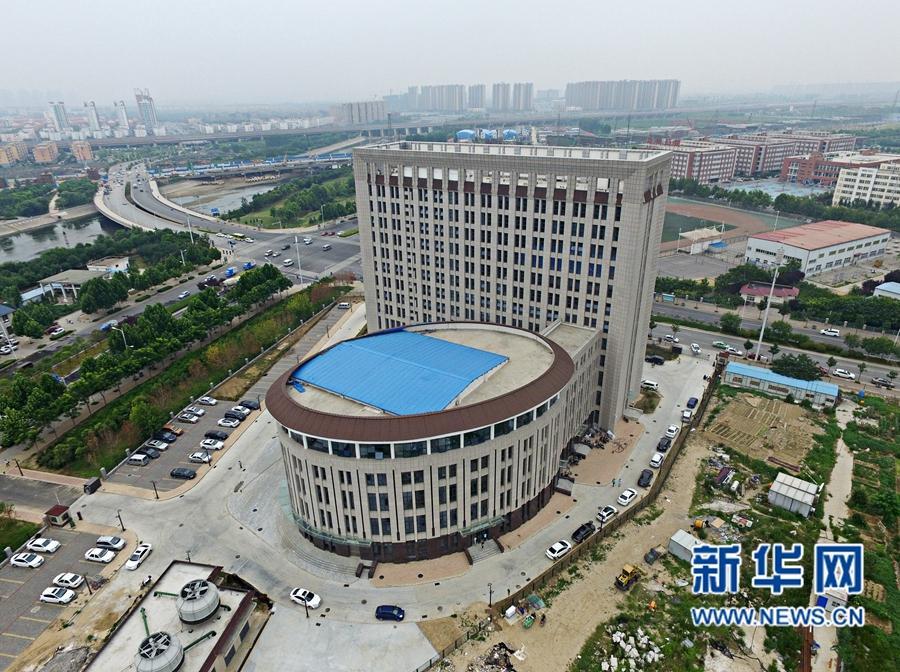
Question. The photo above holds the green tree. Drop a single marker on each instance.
(892, 374)
(831, 362)
(748, 345)
(780, 331)
(774, 350)
(797, 366)
(852, 341)
(880, 346)
(862, 369)
(730, 323)
(145, 416)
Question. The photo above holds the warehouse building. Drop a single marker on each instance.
(819, 247)
(816, 392)
(887, 290)
(411, 443)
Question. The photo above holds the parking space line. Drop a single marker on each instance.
(36, 620)
(12, 581)
(10, 634)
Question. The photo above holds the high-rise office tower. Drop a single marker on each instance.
(500, 98)
(93, 117)
(122, 115)
(518, 235)
(476, 96)
(59, 116)
(146, 109)
(523, 97)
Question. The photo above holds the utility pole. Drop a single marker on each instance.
(187, 218)
(297, 250)
(779, 256)
(182, 257)
(119, 516)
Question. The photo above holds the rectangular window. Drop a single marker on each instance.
(320, 445)
(373, 523)
(385, 525)
(420, 499)
(523, 419)
(370, 479)
(373, 501)
(452, 492)
(442, 473)
(504, 427)
(484, 508)
(420, 524)
(473, 487)
(343, 449)
(408, 525)
(442, 494)
(375, 451)
(445, 443)
(473, 511)
(411, 449)
(407, 501)
(485, 461)
(419, 476)
(382, 479)
(443, 519)
(477, 436)
(406, 478)
(452, 471)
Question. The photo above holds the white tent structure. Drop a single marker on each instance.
(794, 494)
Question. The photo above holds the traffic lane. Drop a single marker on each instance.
(27, 492)
(23, 617)
(704, 339)
(178, 453)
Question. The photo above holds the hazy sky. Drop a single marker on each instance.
(265, 51)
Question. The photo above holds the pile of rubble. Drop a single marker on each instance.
(630, 652)
(497, 659)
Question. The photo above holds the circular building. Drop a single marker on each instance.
(415, 442)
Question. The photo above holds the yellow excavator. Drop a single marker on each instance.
(629, 576)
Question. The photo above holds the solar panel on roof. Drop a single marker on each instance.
(399, 372)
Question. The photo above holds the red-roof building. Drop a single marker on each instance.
(760, 290)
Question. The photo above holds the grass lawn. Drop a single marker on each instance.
(14, 533)
(264, 219)
(675, 222)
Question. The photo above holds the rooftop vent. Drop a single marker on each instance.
(160, 652)
(197, 601)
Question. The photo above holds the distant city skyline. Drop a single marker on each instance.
(193, 53)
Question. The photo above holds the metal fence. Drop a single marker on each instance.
(587, 547)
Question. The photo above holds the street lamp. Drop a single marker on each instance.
(154, 489)
(490, 594)
(119, 516)
(122, 331)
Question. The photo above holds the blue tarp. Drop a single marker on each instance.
(400, 372)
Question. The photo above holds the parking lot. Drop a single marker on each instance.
(22, 617)
(178, 453)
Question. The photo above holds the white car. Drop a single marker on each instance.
(57, 595)
(231, 423)
(5, 350)
(731, 350)
(195, 410)
(207, 401)
(57, 331)
(242, 410)
(657, 460)
(843, 373)
(140, 554)
(29, 560)
(68, 580)
(559, 549)
(184, 294)
(156, 443)
(672, 431)
(607, 513)
(99, 555)
(830, 332)
(200, 457)
(695, 348)
(43, 545)
(627, 497)
(686, 416)
(188, 417)
(302, 596)
(110, 542)
(671, 338)
(212, 444)
(288, 262)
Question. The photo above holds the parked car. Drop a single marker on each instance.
(268, 253)
(686, 416)
(165, 435)
(242, 410)
(29, 560)
(664, 444)
(720, 345)
(140, 554)
(288, 262)
(184, 294)
(234, 415)
(207, 401)
(649, 385)
(152, 453)
(156, 444)
(654, 554)
(607, 513)
(200, 457)
(183, 473)
(737, 352)
(195, 410)
(655, 359)
(671, 338)
(68, 580)
(672, 431)
(645, 478)
(139, 459)
(657, 460)
(692, 402)
(252, 404)
(110, 542)
(389, 612)
(216, 435)
(843, 373)
(57, 595)
(175, 429)
(306, 597)
(189, 418)
(59, 331)
(883, 382)
(627, 497)
(583, 532)
(285, 247)
(43, 545)
(834, 333)
(695, 348)
(99, 555)
(228, 422)
(559, 549)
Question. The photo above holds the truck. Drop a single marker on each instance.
(230, 271)
(248, 265)
(228, 282)
(629, 576)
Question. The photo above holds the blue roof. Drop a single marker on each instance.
(892, 287)
(400, 372)
(813, 386)
(5, 310)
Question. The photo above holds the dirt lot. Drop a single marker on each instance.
(745, 223)
(591, 600)
(760, 428)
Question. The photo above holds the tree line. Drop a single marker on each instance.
(75, 192)
(31, 403)
(25, 201)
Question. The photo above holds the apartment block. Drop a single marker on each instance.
(81, 150)
(824, 169)
(365, 112)
(476, 97)
(525, 236)
(765, 153)
(879, 184)
(501, 99)
(523, 97)
(12, 153)
(705, 162)
(650, 94)
(443, 98)
(45, 152)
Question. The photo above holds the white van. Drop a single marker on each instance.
(326, 246)
(307, 241)
(657, 460)
(139, 460)
(649, 385)
(343, 305)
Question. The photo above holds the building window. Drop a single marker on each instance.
(411, 449)
(504, 427)
(407, 501)
(386, 526)
(375, 451)
(343, 449)
(442, 473)
(445, 443)
(320, 445)
(524, 419)
(229, 655)
(408, 525)
(477, 436)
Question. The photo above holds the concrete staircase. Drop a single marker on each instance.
(477, 553)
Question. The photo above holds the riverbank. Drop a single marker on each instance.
(14, 226)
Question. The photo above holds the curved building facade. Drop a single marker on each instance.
(411, 443)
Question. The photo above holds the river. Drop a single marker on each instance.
(29, 244)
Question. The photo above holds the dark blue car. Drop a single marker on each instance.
(692, 402)
(388, 612)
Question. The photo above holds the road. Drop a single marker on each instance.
(704, 339)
